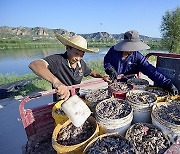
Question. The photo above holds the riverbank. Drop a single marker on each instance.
(28, 44)
(23, 44)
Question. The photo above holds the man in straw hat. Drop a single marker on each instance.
(66, 69)
(124, 59)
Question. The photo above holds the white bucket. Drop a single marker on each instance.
(119, 126)
(76, 110)
(169, 129)
(146, 138)
(142, 115)
(141, 111)
(97, 143)
(162, 94)
(95, 96)
(138, 83)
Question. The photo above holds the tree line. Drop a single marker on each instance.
(170, 30)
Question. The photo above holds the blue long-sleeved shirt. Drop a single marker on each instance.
(133, 64)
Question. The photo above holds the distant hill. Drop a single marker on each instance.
(111, 37)
(41, 33)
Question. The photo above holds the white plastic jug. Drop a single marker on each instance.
(76, 110)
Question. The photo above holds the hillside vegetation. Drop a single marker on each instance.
(39, 37)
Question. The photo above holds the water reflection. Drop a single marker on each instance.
(27, 53)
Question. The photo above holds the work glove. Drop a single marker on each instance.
(173, 90)
(112, 73)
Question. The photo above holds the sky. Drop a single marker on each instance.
(88, 16)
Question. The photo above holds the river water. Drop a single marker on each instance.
(17, 61)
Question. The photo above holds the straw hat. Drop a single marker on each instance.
(77, 42)
(131, 42)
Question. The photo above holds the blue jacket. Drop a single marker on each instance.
(133, 64)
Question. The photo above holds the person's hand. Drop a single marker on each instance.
(173, 90)
(106, 78)
(62, 90)
(112, 73)
(120, 76)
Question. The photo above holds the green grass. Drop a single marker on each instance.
(45, 43)
(8, 78)
(29, 45)
(95, 66)
(34, 86)
(152, 58)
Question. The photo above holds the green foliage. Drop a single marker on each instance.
(170, 29)
(8, 78)
(97, 66)
(34, 86)
(24, 44)
(156, 45)
(43, 43)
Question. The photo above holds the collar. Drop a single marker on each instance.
(78, 63)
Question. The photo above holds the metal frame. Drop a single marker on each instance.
(170, 55)
(38, 121)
